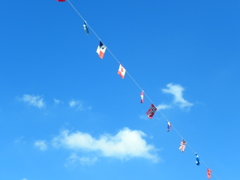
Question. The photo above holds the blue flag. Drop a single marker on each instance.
(197, 160)
(169, 126)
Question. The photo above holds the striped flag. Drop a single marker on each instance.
(101, 50)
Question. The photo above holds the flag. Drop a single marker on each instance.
(151, 111)
(101, 50)
(182, 145)
(61, 0)
(209, 173)
(169, 126)
(142, 97)
(121, 71)
(85, 28)
(197, 160)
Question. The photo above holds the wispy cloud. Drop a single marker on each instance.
(32, 100)
(73, 103)
(125, 144)
(78, 105)
(20, 140)
(163, 106)
(56, 101)
(177, 91)
(24, 179)
(41, 144)
(74, 158)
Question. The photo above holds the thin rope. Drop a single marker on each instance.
(134, 81)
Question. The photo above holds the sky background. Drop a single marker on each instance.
(66, 114)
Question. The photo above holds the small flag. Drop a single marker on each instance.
(101, 50)
(197, 160)
(182, 145)
(121, 71)
(85, 28)
(142, 97)
(61, 0)
(151, 111)
(209, 173)
(169, 126)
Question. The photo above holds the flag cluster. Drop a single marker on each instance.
(101, 49)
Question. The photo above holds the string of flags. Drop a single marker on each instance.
(101, 49)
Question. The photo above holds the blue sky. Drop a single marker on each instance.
(66, 114)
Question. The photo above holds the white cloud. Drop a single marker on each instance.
(20, 140)
(78, 105)
(36, 101)
(177, 91)
(125, 144)
(56, 101)
(73, 103)
(162, 106)
(41, 144)
(82, 160)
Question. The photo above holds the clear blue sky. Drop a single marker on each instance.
(66, 114)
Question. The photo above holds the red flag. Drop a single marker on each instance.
(209, 173)
(151, 111)
(61, 0)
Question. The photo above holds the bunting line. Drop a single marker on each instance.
(136, 83)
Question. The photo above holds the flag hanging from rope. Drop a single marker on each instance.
(182, 145)
(197, 160)
(101, 50)
(209, 173)
(169, 126)
(85, 28)
(151, 111)
(121, 71)
(142, 97)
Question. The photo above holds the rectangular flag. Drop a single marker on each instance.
(151, 111)
(101, 50)
(61, 0)
(121, 71)
(142, 97)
